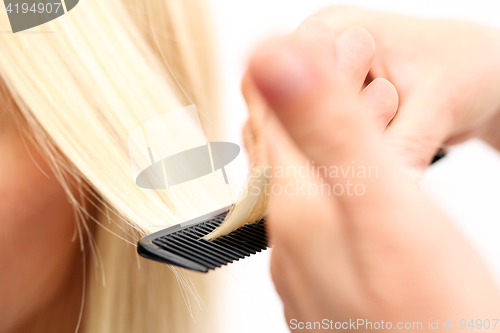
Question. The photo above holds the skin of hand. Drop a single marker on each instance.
(379, 97)
(386, 253)
(447, 74)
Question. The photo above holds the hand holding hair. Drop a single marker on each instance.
(386, 254)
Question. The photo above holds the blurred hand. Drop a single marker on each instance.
(379, 97)
(379, 249)
(447, 74)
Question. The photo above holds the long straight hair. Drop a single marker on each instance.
(82, 83)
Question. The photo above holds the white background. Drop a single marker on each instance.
(466, 184)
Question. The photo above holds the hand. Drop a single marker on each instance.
(382, 252)
(447, 74)
(379, 98)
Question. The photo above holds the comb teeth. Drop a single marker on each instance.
(183, 245)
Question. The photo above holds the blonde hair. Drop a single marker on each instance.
(83, 82)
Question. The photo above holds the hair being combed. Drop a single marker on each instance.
(82, 84)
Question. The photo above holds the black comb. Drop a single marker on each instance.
(182, 245)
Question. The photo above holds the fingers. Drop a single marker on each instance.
(322, 115)
(301, 90)
(351, 55)
(355, 50)
(380, 99)
(355, 53)
(411, 134)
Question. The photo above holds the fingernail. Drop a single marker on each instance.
(281, 73)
